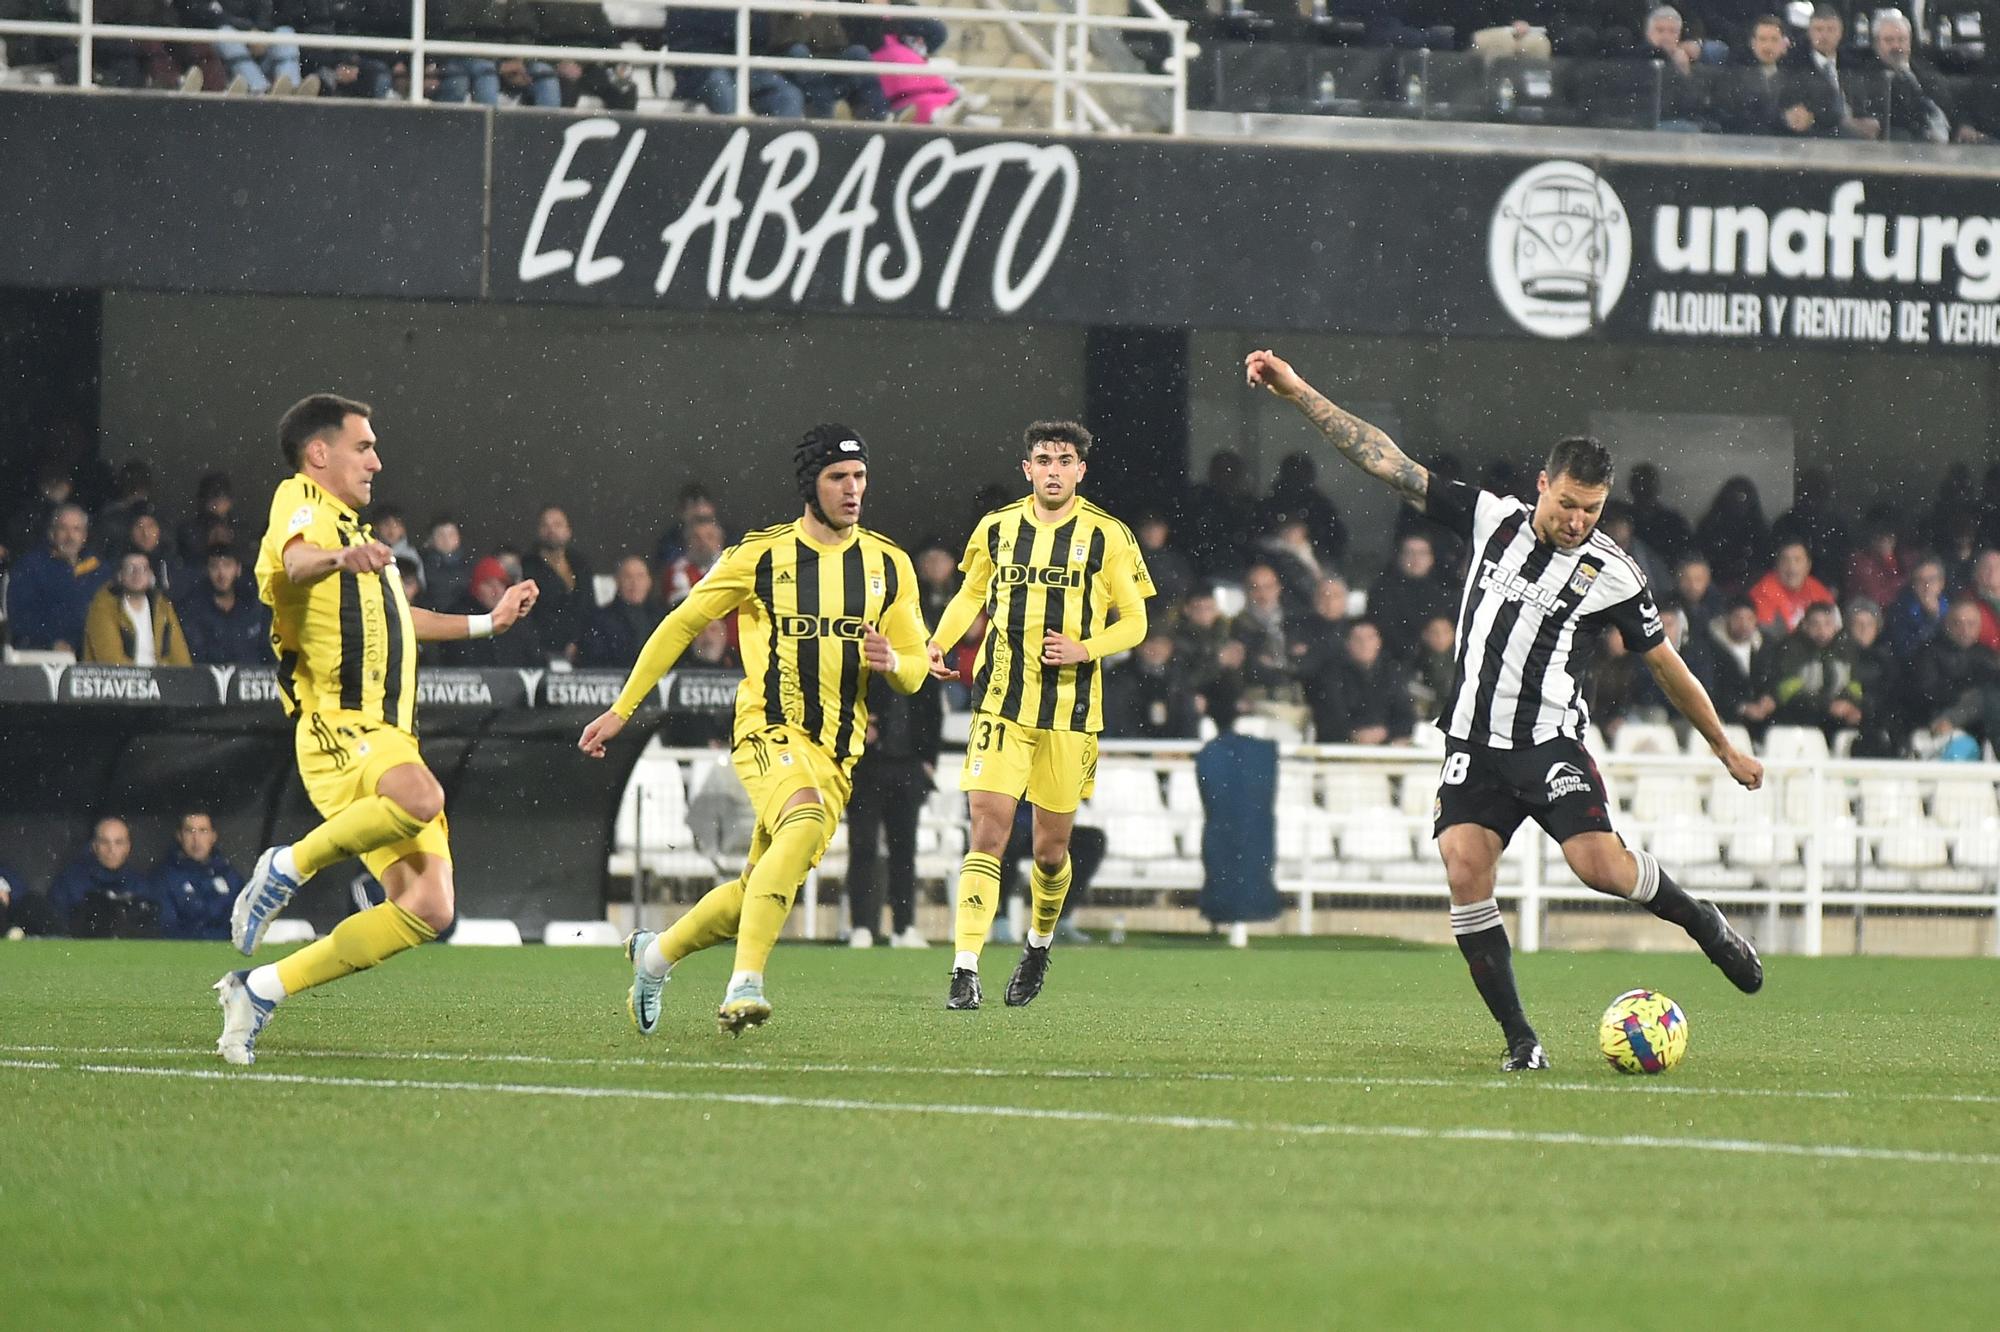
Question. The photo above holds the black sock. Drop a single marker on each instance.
(1666, 899)
(1490, 958)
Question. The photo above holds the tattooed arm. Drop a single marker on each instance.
(1360, 443)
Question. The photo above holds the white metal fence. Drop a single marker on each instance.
(1065, 62)
(1825, 837)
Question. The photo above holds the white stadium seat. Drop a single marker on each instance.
(1183, 792)
(1296, 787)
(1961, 802)
(1646, 738)
(1375, 834)
(1125, 787)
(1140, 836)
(289, 930)
(1795, 742)
(479, 932)
(1661, 796)
(1345, 789)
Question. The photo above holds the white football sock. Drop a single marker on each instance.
(737, 978)
(654, 962)
(965, 962)
(264, 983)
(1040, 940)
(285, 864)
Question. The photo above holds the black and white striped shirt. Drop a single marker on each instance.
(1517, 620)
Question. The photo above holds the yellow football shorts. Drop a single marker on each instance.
(775, 764)
(1055, 770)
(342, 755)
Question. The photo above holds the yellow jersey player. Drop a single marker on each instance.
(346, 641)
(822, 603)
(1064, 586)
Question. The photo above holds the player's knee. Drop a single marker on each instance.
(422, 799)
(434, 909)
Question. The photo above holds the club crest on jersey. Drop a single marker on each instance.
(875, 584)
(1586, 574)
(1078, 553)
(1566, 779)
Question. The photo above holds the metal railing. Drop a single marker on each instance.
(1068, 72)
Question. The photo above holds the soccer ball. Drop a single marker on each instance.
(1643, 1032)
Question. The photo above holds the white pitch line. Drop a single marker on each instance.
(1620, 1087)
(1220, 1123)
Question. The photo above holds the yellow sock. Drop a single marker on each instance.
(774, 881)
(707, 923)
(1048, 892)
(356, 944)
(363, 826)
(978, 899)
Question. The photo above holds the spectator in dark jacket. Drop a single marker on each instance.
(1409, 592)
(1812, 675)
(1737, 654)
(1658, 523)
(1735, 536)
(98, 895)
(1173, 574)
(214, 497)
(1367, 699)
(1955, 677)
(224, 624)
(565, 577)
(619, 630)
(1318, 640)
(447, 564)
(1147, 696)
(1765, 97)
(1916, 614)
(49, 590)
(1295, 493)
(195, 884)
(1884, 724)
(713, 32)
(1899, 97)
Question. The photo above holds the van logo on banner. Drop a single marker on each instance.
(1559, 249)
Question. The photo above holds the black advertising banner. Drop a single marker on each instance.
(1855, 247)
(1257, 236)
(1642, 253)
(240, 195)
(710, 214)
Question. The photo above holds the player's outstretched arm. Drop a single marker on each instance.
(307, 563)
(725, 587)
(1360, 443)
(1685, 692)
(432, 627)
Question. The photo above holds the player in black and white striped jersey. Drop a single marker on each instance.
(1515, 723)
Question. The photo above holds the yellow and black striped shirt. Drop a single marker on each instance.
(802, 607)
(344, 641)
(1032, 576)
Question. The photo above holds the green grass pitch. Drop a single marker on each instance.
(1174, 1136)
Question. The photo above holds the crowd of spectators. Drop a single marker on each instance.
(1918, 70)
(283, 68)
(1885, 624)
